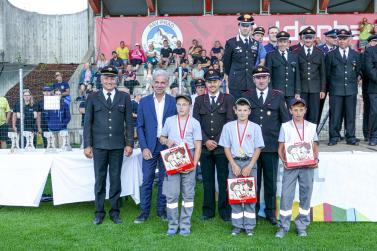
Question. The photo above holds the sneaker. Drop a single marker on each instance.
(302, 233)
(184, 232)
(236, 231)
(280, 233)
(249, 232)
(171, 231)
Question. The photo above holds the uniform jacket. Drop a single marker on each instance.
(370, 57)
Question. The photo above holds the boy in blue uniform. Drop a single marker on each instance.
(242, 141)
(295, 131)
(177, 129)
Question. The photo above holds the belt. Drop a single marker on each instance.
(242, 158)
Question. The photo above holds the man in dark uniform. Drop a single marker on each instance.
(311, 62)
(284, 70)
(371, 72)
(241, 55)
(258, 34)
(213, 111)
(331, 44)
(300, 42)
(342, 70)
(268, 109)
(108, 135)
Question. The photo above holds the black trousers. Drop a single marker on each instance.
(209, 160)
(366, 111)
(372, 117)
(340, 105)
(268, 164)
(312, 103)
(107, 160)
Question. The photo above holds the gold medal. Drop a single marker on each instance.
(241, 152)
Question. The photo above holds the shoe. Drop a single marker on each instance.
(141, 218)
(249, 232)
(184, 232)
(281, 233)
(226, 219)
(236, 231)
(302, 233)
(205, 217)
(366, 139)
(372, 143)
(353, 143)
(171, 231)
(98, 220)
(332, 143)
(116, 219)
(163, 217)
(272, 220)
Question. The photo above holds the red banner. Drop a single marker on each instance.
(207, 29)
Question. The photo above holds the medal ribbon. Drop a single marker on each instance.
(299, 135)
(240, 139)
(182, 133)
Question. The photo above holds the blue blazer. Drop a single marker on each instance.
(147, 120)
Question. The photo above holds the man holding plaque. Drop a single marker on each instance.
(213, 111)
(108, 136)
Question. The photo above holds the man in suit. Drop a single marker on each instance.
(108, 135)
(300, 42)
(370, 64)
(284, 69)
(213, 111)
(342, 71)
(242, 53)
(268, 109)
(153, 110)
(311, 63)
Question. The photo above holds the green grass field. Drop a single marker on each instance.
(69, 227)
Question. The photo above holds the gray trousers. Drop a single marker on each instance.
(305, 181)
(171, 188)
(243, 215)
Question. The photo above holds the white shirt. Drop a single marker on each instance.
(264, 94)
(306, 50)
(243, 38)
(216, 97)
(341, 51)
(112, 94)
(159, 107)
(285, 54)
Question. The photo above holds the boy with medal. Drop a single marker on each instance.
(181, 128)
(242, 141)
(296, 131)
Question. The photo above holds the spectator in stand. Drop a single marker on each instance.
(135, 104)
(86, 79)
(196, 74)
(123, 52)
(137, 56)
(258, 34)
(204, 61)
(5, 113)
(102, 62)
(272, 40)
(179, 53)
(30, 115)
(148, 78)
(217, 52)
(152, 56)
(194, 52)
(41, 114)
(129, 78)
(185, 72)
(117, 62)
(166, 55)
(57, 120)
(63, 87)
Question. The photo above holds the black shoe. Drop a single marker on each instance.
(163, 217)
(272, 220)
(141, 218)
(116, 219)
(205, 217)
(98, 220)
(332, 143)
(372, 143)
(226, 219)
(353, 143)
(366, 139)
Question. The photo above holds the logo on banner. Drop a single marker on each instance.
(157, 31)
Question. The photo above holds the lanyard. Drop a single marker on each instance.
(240, 139)
(182, 133)
(302, 139)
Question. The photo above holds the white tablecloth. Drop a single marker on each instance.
(23, 177)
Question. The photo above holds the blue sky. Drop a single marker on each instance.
(51, 6)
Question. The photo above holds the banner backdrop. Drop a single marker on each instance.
(207, 29)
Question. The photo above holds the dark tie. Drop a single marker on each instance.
(213, 104)
(308, 53)
(283, 55)
(260, 100)
(247, 42)
(108, 98)
(344, 56)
